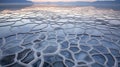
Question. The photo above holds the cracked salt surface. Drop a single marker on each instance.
(60, 37)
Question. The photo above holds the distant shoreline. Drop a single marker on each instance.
(16, 4)
(104, 5)
(66, 4)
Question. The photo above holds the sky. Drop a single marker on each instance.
(67, 0)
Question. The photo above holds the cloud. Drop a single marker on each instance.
(61, 0)
(68, 0)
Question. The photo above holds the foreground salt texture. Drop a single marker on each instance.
(60, 37)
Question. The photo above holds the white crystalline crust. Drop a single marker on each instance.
(60, 37)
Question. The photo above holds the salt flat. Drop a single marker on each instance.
(52, 36)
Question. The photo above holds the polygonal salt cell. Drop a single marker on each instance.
(96, 65)
(114, 22)
(42, 36)
(64, 45)
(38, 54)
(115, 32)
(81, 63)
(20, 36)
(73, 42)
(60, 23)
(67, 54)
(23, 29)
(71, 36)
(10, 38)
(11, 44)
(52, 58)
(50, 49)
(119, 43)
(13, 19)
(29, 57)
(94, 32)
(78, 30)
(107, 37)
(93, 51)
(69, 63)
(49, 28)
(2, 20)
(74, 49)
(69, 31)
(68, 25)
(83, 56)
(7, 60)
(58, 64)
(18, 23)
(6, 24)
(36, 63)
(62, 20)
(101, 48)
(53, 43)
(60, 33)
(39, 22)
(119, 64)
(115, 40)
(23, 53)
(103, 29)
(58, 28)
(93, 42)
(82, 66)
(51, 36)
(46, 65)
(27, 21)
(118, 59)
(79, 24)
(1, 42)
(29, 38)
(41, 26)
(38, 19)
(82, 43)
(55, 26)
(115, 52)
(52, 40)
(28, 45)
(111, 60)
(110, 44)
(82, 25)
(16, 65)
(96, 37)
(99, 20)
(51, 33)
(41, 45)
(84, 38)
(60, 39)
(36, 41)
(85, 48)
(5, 31)
(111, 36)
(0, 53)
(12, 50)
(101, 23)
(99, 58)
